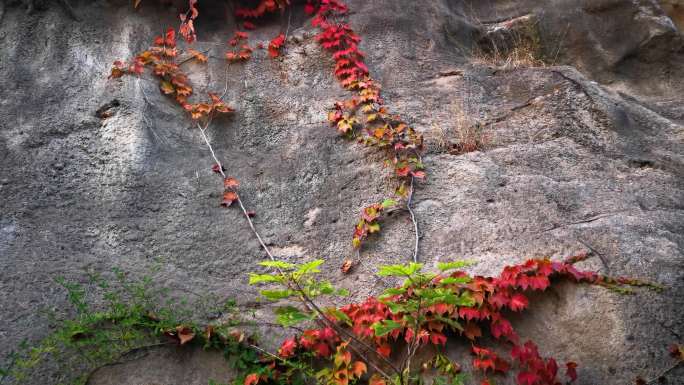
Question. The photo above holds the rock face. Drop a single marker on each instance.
(584, 153)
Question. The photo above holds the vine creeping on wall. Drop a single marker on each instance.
(378, 340)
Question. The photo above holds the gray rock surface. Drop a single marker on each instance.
(588, 153)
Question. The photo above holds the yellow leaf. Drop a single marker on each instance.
(343, 125)
(166, 87)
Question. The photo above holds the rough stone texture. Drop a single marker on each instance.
(174, 365)
(572, 163)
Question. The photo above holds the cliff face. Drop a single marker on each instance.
(585, 151)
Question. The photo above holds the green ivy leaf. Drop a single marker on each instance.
(391, 292)
(309, 268)
(444, 266)
(264, 278)
(384, 327)
(455, 280)
(326, 288)
(343, 292)
(338, 315)
(290, 316)
(453, 323)
(387, 203)
(400, 270)
(278, 265)
(276, 295)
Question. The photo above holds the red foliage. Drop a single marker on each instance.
(265, 6)
(187, 28)
(275, 45)
(494, 297)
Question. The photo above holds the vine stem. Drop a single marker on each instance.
(664, 372)
(239, 200)
(413, 219)
(306, 300)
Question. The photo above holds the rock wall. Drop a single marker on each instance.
(585, 152)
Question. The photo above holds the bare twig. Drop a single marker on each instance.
(239, 200)
(289, 17)
(413, 219)
(69, 10)
(593, 250)
(664, 372)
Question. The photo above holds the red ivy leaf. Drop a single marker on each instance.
(571, 371)
(275, 45)
(539, 282)
(287, 348)
(384, 350)
(322, 349)
(518, 302)
(309, 9)
(469, 313)
(527, 378)
(438, 338)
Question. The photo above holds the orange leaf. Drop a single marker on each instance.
(252, 379)
(230, 183)
(228, 198)
(185, 334)
(347, 265)
(116, 73)
(358, 368)
(376, 380)
(199, 56)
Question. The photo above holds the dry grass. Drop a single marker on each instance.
(465, 134)
(510, 44)
(523, 55)
(469, 134)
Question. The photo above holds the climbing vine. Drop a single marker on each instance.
(378, 340)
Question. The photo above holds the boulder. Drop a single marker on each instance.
(584, 151)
